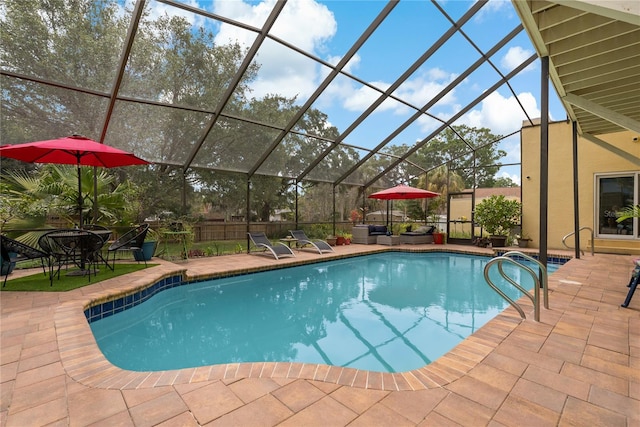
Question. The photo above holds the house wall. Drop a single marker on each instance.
(460, 208)
(593, 159)
(381, 217)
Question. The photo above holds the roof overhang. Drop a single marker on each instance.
(594, 58)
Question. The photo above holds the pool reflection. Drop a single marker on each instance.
(388, 312)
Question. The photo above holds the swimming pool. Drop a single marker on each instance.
(388, 312)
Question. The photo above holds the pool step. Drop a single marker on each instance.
(609, 246)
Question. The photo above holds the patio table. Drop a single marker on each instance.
(288, 240)
(79, 247)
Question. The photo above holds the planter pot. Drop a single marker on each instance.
(148, 249)
(523, 243)
(331, 241)
(438, 238)
(498, 241)
(6, 268)
(340, 240)
(347, 241)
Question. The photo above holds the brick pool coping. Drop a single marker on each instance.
(84, 362)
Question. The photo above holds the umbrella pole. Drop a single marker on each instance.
(82, 264)
(80, 194)
(94, 217)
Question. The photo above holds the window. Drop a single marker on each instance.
(615, 192)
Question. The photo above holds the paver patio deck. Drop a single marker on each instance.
(579, 366)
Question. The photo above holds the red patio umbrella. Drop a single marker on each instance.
(71, 150)
(402, 192)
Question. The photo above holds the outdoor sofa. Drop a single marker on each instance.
(367, 234)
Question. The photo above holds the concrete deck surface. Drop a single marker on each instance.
(579, 366)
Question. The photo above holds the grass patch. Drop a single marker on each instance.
(40, 283)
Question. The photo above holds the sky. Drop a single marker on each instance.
(328, 28)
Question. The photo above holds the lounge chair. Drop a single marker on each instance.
(21, 252)
(278, 250)
(302, 240)
(421, 235)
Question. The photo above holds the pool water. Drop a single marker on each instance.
(388, 312)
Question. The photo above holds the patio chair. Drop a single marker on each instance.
(131, 241)
(71, 247)
(278, 250)
(21, 252)
(105, 234)
(94, 243)
(302, 240)
(55, 254)
(633, 283)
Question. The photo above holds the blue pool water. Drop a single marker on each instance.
(388, 312)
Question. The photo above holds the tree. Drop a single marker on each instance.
(498, 215)
(61, 35)
(503, 182)
(457, 153)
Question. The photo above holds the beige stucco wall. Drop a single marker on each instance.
(460, 208)
(593, 159)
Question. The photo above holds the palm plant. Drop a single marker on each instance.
(61, 182)
(628, 212)
(29, 197)
(23, 206)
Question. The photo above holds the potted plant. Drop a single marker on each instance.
(355, 216)
(341, 238)
(523, 240)
(331, 240)
(438, 237)
(347, 238)
(6, 267)
(148, 247)
(497, 215)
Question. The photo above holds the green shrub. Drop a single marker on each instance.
(498, 215)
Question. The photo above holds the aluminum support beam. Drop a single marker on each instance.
(576, 205)
(544, 158)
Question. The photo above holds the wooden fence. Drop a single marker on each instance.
(210, 231)
(216, 231)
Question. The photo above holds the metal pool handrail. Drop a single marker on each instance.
(572, 233)
(538, 281)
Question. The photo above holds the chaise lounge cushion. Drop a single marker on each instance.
(422, 235)
(420, 231)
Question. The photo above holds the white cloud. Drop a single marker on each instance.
(513, 177)
(418, 91)
(502, 115)
(491, 7)
(361, 98)
(157, 9)
(515, 56)
(282, 70)
(352, 65)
